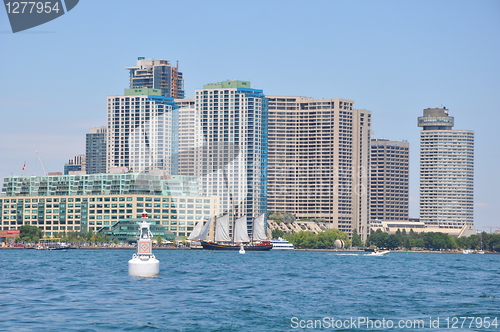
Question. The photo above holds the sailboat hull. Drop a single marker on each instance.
(216, 246)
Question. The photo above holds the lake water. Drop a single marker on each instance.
(90, 290)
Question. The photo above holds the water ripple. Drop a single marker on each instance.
(90, 290)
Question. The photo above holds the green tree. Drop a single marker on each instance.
(437, 240)
(392, 241)
(323, 240)
(30, 233)
(159, 240)
(493, 242)
(356, 239)
(277, 233)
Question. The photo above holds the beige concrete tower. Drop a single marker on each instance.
(446, 172)
(318, 160)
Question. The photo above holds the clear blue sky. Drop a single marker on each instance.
(394, 58)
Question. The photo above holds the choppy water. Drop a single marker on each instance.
(90, 290)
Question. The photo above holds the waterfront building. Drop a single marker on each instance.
(157, 74)
(142, 132)
(77, 164)
(446, 172)
(95, 150)
(233, 156)
(389, 180)
(318, 161)
(91, 203)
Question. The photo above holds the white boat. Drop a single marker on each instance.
(466, 251)
(378, 253)
(281, 244)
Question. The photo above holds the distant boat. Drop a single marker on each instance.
(378, 253)
(52, 246)
(281, 244)
(466, 251)
(224, 242)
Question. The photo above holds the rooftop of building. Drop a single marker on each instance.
(228, 84)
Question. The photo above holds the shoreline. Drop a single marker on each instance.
(314, 250)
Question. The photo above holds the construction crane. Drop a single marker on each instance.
(41, 162)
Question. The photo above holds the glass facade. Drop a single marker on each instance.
(93, 202)
(233, 162)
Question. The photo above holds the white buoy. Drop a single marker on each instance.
(242, 249)
(144, 263)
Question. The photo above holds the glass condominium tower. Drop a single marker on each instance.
(446, 171)
(233, 159)
(95, 150)
(142, 132)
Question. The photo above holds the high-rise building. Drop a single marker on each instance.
(142, 132)
(389, 180)
(446, 172)
(95, 150)
(233, 158)
(190, 137)
(318, 161)
(77, 164)
(157, 74)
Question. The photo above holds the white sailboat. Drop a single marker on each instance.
(240, 230)
(196, 230)
(258, 232)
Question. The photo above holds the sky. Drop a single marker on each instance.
(394, 58)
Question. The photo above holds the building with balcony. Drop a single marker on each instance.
(389, 180)
(157, 74)
(90, 203)
(142, 132)
(446, 172)
(318, 161)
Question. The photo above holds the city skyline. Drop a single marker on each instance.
(391, 61)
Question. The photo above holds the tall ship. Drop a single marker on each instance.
(222, 239)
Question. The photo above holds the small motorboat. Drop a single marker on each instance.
(378, 253)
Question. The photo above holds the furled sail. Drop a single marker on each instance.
(196, 230)
(240, 230)
(258, 228)
(222, 229)
(204, 231)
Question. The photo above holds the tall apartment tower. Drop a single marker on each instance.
(389, 180)
(142, 132)
(233, 159)
(190, 136)
(157, 74)
(446, 171)
(95, 150)
(318, 160)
